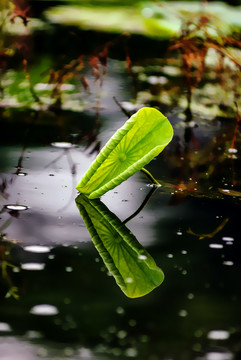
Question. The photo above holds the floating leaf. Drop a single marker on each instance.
(134, 145)
(133, 268)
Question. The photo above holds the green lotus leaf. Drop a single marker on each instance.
(133, 268)
(134, 145)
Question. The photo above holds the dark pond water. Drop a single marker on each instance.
(57, 298)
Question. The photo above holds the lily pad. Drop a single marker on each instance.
(134, 145)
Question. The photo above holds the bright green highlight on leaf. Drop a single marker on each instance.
(134, 145)
(133, 268)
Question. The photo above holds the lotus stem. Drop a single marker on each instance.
(149, 175)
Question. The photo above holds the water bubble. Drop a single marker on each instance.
(85, 353)
(20, 173)
(190, 296)
(216, 246)
(218, 335)
(62, 145)
(227, 238)
(67, 301)
(121, 334)
(132, 322)
(68, 351)
(232, 151)
(68, 269)
(129, 280)
(183, 313)
(131, 352)
(112, 329)
(197, 347)
(44, 309)
(198, 333)
(142, 257)
(42, 352)
(33, 266)
(170, 256)
(144, 338)
(51, 257)
(147, 12)
(32, 334)
(5, 327)
(154, 80)
(37, 249)
(120, 310)
(116, 351)
(228, 263)
(184, 252)
(15, 207)
(219, 356)
(179, 232)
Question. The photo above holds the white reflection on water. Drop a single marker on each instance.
(44, 309)
(33, 266)
(216, 246)
(20, 349)
(232, 151)
(37, 249)
(4, 327)
(227, 238)
(183, 313)
(62, 145)
(228, 263)
(16, 207)
(218, 356)
(218, 335)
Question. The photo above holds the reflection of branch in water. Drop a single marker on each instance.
(5, 264)
(20, 161)
(155, 185)
(72, 166)
(69, 159)
(212, 234)
(127, 113)
(141, 206)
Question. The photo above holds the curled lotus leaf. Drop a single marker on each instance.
(134, 145)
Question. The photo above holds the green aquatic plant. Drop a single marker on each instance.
(133, 268)
(134, 145)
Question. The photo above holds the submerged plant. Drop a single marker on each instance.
(134, 145)
(133, 268)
